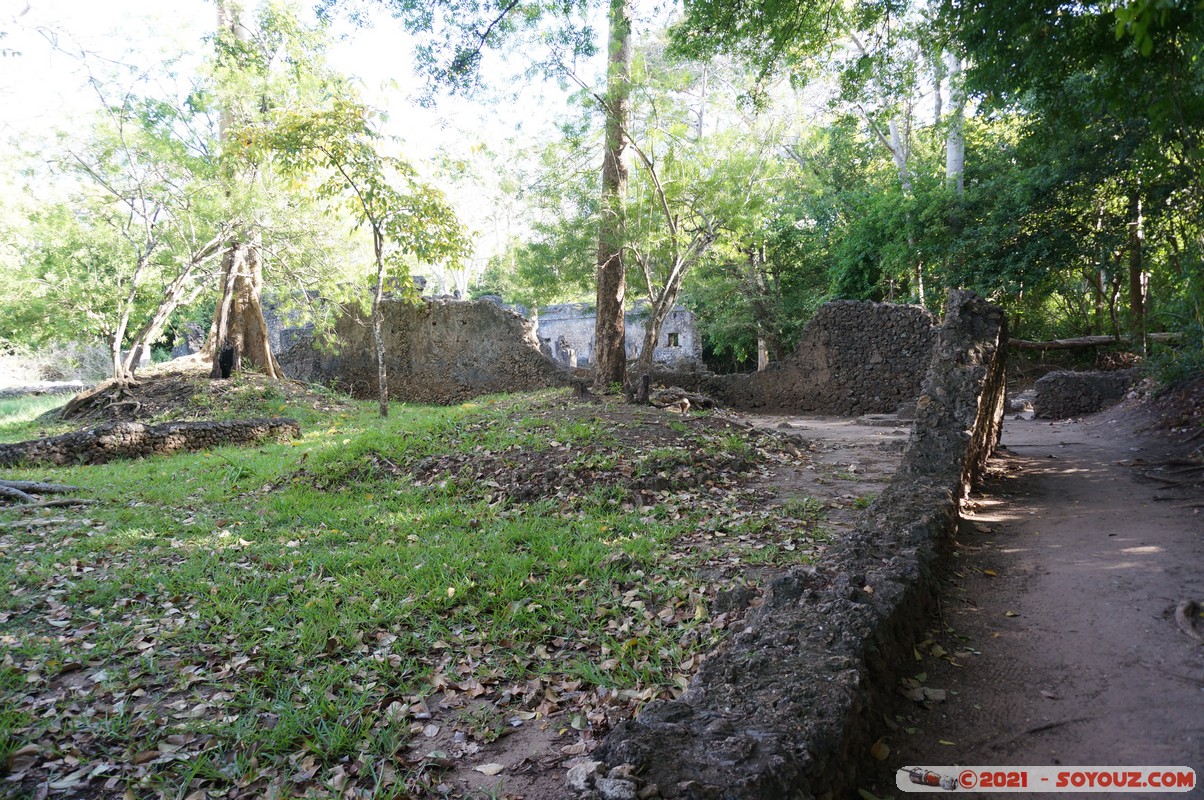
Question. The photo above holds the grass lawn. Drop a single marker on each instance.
(292, 619)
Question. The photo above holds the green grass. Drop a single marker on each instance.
(19, 416)
(805, 508)
(278, 603)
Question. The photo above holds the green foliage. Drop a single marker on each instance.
(151, 198)
(769, 35)
(338, 145)
(454, 35)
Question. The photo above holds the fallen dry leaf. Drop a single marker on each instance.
(490, 769)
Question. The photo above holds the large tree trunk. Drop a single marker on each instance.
(610, 354)
(238, 322)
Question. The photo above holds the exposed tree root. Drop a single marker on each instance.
(1172, 481)
(114, 392)
(16, 494)
(25, 492)
(61, 502)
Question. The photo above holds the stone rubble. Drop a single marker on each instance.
(116, 440)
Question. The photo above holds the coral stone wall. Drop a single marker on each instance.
(1068, 394)
(852, 358)
(436, 351)
(117, 440)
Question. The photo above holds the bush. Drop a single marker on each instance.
(1171, 364)
(61, 362)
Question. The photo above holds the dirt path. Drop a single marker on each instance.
(1057, 641)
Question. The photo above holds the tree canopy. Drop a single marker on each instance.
(775, 155)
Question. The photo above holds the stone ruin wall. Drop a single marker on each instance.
(437, 351)
(1064, 394)
(117, 440)
(852, 358)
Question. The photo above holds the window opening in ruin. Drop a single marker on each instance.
(672, 341)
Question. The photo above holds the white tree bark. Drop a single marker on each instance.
(898, 151)
(955, 139)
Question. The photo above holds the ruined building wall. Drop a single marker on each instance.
(571, 325)
(439, 351)
(852, 358)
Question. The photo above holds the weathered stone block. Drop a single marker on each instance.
(1067, 394)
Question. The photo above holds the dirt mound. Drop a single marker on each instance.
(1181, 407)
(539, 456)
(183, 390)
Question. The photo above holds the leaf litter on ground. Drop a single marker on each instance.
(374, 609)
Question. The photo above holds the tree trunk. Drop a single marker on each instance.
(121, 372)
(610, 330)
(378, 339)
(1088, 341)
(663, 301)
(176, 294)
(238, 322)
(652, 331)
(1137, 281)
(899, 152)
(955, 139)
(938, 75)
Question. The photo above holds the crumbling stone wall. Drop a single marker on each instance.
(438, 351)
(117, 440)
(852, 358)
(785, 708)
(1067, 394)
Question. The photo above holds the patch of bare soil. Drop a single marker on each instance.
(1069, 631)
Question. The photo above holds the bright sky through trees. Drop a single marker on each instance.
(52, 45)
(43, 83)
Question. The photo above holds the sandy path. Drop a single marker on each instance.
(1060, 615)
